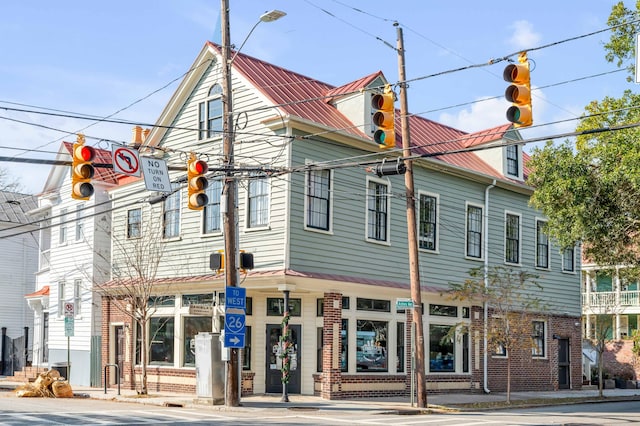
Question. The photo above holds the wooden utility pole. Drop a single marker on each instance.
(232, 395)
(414, 266)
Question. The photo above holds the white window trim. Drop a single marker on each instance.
(386, 182)
(62, 297)
(535, 250)
(544, 341)
(247, 219)
(126, 225)
(504, 235)
(201, 224)
(79, 224)
(180, 215)
(437, 242)
(565, 271)
(306, 204)
(505, 164)
(466, 231)
(77, 298)
(63, 225)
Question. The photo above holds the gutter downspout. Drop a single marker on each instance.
(486, 284)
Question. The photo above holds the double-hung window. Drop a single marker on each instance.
(210, 114)
(212, 214)
(538, 337)
(542, 245)
(61, 297)
(474, 231)
(427, 226)
(134, 222)
(63, 227)
(258, 202)
(171, 216)
(79, 223)
(318, 199)
(377, 211)
(77, 297)
(512, 238)
(568, 260)
(512, 160)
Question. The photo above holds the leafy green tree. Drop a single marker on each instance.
(590, 188)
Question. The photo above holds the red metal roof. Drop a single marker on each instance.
(309, 99)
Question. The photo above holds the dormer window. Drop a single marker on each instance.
(513, 163)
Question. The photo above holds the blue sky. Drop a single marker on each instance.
(98, 58)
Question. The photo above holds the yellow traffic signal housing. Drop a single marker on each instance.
(383, 118)
(82, 170)
(197, 183)
(519, 92)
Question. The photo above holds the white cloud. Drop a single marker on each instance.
(483, 114)
(524, 37)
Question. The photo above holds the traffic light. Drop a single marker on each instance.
(519, 92)
(383, 109)
(197, 183)
(82, 170)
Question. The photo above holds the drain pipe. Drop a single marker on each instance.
(485, 223)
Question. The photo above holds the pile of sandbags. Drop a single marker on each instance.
(47, 384)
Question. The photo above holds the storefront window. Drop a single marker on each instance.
(441, 349)
(371, 341)
(193, 326)
(275, 306)
(161, 332)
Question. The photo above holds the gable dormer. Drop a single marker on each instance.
(502, 151)
(353, 100)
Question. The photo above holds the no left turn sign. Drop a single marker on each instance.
(126, 161)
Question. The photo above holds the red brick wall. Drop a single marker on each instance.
(619, 361)
(536, 374)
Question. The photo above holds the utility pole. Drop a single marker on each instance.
(232, 395)
(412, 241)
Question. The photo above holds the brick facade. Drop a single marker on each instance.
(527, 373)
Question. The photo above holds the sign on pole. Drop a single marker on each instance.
(234, 316)
(404, 303)
(125, 160)
(156, 174)
(68, 326)
(68, 309)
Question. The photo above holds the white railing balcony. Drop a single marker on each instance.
(611, 299)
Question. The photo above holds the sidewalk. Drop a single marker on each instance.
(441, 401)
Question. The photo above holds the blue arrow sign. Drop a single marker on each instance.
(233, 340)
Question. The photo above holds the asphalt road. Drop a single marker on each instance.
(78, 411)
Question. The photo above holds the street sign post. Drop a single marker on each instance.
(234, 316)
(404, 304)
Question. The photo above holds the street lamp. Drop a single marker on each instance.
(272, 15)
(232, 389)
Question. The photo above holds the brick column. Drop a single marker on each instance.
(331, 383)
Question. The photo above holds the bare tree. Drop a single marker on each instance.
(9, 183)
(133, 288)
(602, 335)
(511, 298)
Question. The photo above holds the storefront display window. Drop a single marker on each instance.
(371, 341)
(441, 349)
(161, 333)
(193, 326)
